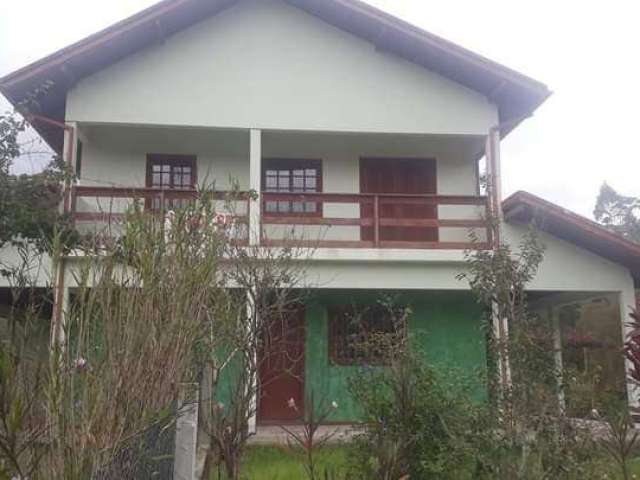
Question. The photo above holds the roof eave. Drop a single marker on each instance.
(524, 207)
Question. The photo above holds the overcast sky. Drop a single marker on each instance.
(587, 52)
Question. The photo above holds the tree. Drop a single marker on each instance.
(269, 285)
(619, 213)
(28, 203)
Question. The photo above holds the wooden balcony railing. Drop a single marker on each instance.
(104, 206)
(369, 218)
(378, 215)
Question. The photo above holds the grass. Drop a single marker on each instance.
(279, 463)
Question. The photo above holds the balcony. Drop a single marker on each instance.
(338, 220)
(380, 221)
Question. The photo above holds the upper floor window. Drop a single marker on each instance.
(171, 172)
(362, 336)
(292, 176)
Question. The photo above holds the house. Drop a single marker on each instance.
(356, 128)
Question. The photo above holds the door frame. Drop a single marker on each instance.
(260, 420)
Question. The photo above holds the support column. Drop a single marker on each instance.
(492, 154)
(501, 335)
(252, 422)
(554, 312)
(60, 310)
(61, 292)
(500, 325)
(255, 180)
(186, 444)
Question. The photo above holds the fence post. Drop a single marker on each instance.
(184, 467)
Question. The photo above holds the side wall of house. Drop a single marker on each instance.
(266, 64)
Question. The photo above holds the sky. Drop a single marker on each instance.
(586, 51)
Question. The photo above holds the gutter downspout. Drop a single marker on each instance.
(492, 153)
(57, 333)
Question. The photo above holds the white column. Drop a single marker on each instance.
(255, 180)
(492, 153)
(554, 312)
(60, 309)
(184, 466)
(501, 335)
(252, 423)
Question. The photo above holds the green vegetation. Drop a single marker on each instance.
(280, 463)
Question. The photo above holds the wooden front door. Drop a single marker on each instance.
(282, 369)
(400, 176)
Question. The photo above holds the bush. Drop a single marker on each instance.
(417, 423)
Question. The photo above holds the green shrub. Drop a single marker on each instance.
(418, 422)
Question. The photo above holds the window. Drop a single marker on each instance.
(292, 176)
(171, 172)
(362, 336)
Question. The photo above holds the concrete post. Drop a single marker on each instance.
(184, 467)
(554, 312)
(252, 423)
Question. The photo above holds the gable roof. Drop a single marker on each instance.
(516, 95)
(524, 207)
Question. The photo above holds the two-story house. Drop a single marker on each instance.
(357, 130)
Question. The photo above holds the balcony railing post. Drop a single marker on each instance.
(376, 220)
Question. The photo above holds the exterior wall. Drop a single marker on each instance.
(38, 268)
(446, 326)
(265, 64)
(565, 267)
(117, 156)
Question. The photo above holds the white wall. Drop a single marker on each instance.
(266, 64)
(565, 267)
(117, 156)
(35, 268)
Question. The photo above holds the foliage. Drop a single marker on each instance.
(277, 462)
(29, 204)
(23, 377)
(632, 347)
(619, 213)
(310, 440)
(151, 309)
(272, 285)
(529, 436)
(620, 439)
(417, 422)
(129, 341)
